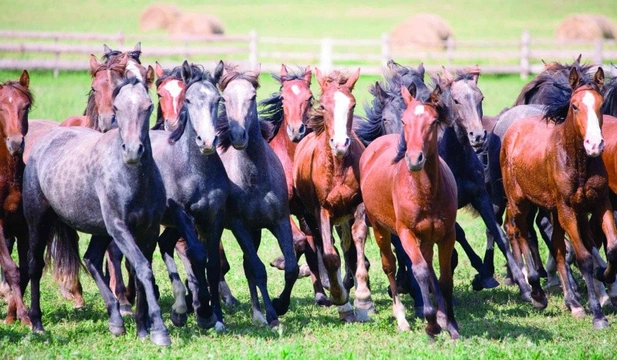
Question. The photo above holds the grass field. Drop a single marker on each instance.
(493, 323)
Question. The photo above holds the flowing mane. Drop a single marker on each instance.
(557, 100)
(231, 74)
(609, 91)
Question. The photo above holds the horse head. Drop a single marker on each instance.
(585, 108)
(337, 104)
(297, 99)
(15, 102)
(105, 78)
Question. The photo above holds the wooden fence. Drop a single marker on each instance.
(68, 51)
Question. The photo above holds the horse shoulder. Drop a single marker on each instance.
(78, 120)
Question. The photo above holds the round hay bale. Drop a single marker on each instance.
(158, 16)
(196, 24)
(586, 27)
(421, 31)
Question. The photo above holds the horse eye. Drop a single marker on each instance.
(456, 101)
(187, 101)
(92, 89)
(574, 107)
(113, 119)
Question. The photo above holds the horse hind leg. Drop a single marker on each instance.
(314, 260)
(282, 233)
(116, 282)
(225, 292)
(363, 302)
(17, 308)
(300, 242)
(445, 286)
(483, 280)
(64, 251)
(167, 241)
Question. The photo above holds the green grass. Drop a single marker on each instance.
(493, 324)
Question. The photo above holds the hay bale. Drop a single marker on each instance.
(421, 31)
(196, 24)
(158, 16)
(586, 27)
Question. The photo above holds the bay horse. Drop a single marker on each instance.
(106, 184)
(15, 103)
(98, 114)
(258, 197)
(326, 179)
(287, 111)
(415, 199)
(556, 165)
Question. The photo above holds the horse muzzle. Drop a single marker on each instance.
(206, 147)
(415, 162)
(593, 148)
(15, 145)
(106, 122)
(339, 148)
(294, 134)
(171, 125)
(477, 139)
(132, 152)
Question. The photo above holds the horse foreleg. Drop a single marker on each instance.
(388, 264)
(224, 290)
(483, 280)
(211, 237)
(610, 231)
(167, 242)
(314, 261)
(332, 262)
(415, 291)
(282, 233)
(116, 282)
(363, 301)
(558, 249)
(411, 244)
(93, 259)
(445, 248)
(12, 272)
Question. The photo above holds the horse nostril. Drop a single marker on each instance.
(420, 157)
(347, 141)
(140, 150)
(199, 138)
(123, 147)
(331, 141)
(302, 129)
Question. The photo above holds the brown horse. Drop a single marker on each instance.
(288, 111)
(327, 181)
(415, 199)
(15, 102)
(557, 166)
(99, 114)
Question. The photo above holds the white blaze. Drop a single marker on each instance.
(174, 90)
(419, 110)
(593, 134)
(341, 109)
(295, 89)
(134, 69)
(10, 100)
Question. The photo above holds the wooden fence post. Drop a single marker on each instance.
(325, 62)
(56, 70)
(386, 53)
(253, 49)
(120, 39)
(525, 40)
(598, 57)
(450, 49)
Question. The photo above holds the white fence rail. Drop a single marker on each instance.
(68, 51)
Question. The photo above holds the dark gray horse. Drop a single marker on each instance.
(196, 184)
(258, 196)
(106, 185)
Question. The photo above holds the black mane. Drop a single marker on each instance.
(609, 91)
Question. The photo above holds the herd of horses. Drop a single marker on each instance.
(217, 159)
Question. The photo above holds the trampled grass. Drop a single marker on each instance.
(493, 323)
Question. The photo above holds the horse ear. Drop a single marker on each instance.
(149, 76)
(93, 63)
(435, 97)
(320, 78)
(187, 73)
(308, 74)
(406, 96)
(158, 69)
(218, 71)
(24, 79)
(421, 70)
(446, 75)
(257, 69)
(598, 78)
(578, 59)
(392, 65)
(283, 73)
(352, 79)
(106, 49)
(137, 47)
(380, 94)
(413, 90)
(475, 73)
(574, 78)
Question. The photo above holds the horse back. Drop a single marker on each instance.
(609, 132)
(36, 129)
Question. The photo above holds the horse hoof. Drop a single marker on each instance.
(479, 283)
(599, 324)
(552, 281)
(613, 301)
(37, 327)
(178, 320)
(347, 316)
(275, 324)
(219, 327)
(526, 296)
(539, 302)
(403, 328)
(278, 263)
(280, 307)
(231, 302)
(322, 300)
(126, 310)
(362, 315)
(206, 323)
(116, 329)
(508, 281)
(454, 335)
(304, 271)
(433, 329)
(160, 338)
(578, 312)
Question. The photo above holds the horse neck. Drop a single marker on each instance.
(11, 167)
(281, 140)
(457, 137)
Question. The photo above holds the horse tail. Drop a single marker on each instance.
(64, 260)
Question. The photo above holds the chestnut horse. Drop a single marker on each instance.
(557, 166)
(99, 112)
(15, 102)
(417, 200)
(287, 111)
(327, 181)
